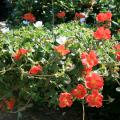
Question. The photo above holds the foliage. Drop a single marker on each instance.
(59, 73)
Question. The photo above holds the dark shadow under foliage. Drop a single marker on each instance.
(73, 113)
(5, 9)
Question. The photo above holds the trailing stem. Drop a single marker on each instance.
(83, 108)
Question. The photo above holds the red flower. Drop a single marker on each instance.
(89, 60)
(16, 56)
(61, 14)
(35, 69)
(95, 99)
(102, 17)
(118, 56)
(107, 34)
(19, 53)
(61, 49)
(79, 92)
(117, 47)
(94, 81)
(29, 17)
(108, 16)
(65, 100)
(10, 103)
(79, 15)
(102, 33)
(22, 51)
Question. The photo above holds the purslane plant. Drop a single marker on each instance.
(35, 67)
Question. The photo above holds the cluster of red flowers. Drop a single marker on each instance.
(102, 17)
(37, 68)
(80, 92)
(29, 17)
(9, 103)
(93, 83)
(77, 16)
(19, 53)
(103, 33)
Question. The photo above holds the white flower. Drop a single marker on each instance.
(5, 30)
(38, 24)
(25, 22)
(3, 24)
(61, 39)
(82, 20)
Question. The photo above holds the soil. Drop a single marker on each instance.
(74, 113)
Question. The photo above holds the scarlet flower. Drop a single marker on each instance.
(117, 47)
(17, 55)
(79, 15)
(102, 17)
(108, 16)
(10, 103)
(102, 33)
(61, 14)
(94, 81)
(65, 100)
(95, 99)
(35, 69)
(118, 56)
(61, 49)
(29, 17)
(89, 60)
(107, 34)
(22, 51)
(79, 92)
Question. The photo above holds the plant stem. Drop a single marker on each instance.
(83, 108)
